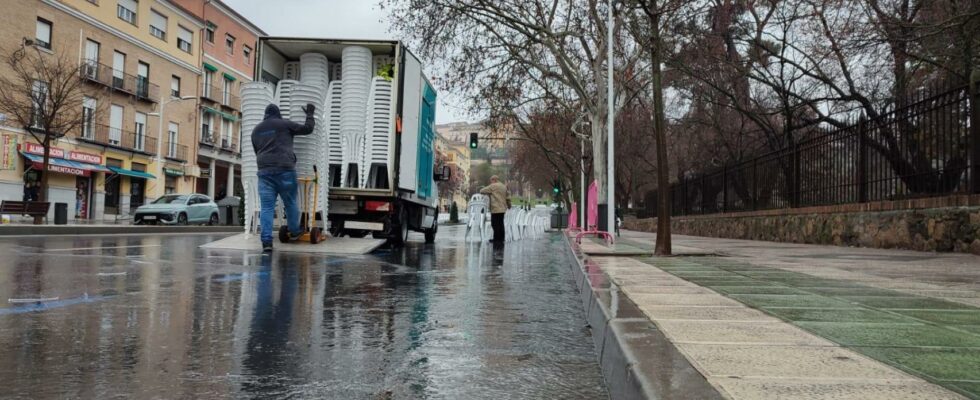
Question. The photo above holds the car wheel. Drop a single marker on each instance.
(213, 220)
(182, 219)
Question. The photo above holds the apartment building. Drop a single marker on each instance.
(456, 153)
(228, 42)
(138, 58)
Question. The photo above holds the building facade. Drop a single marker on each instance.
(456, 154)
(138, 58)
(228, 42)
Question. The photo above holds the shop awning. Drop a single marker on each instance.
(229, 76)
(224, 115)
(64, 166)
(210, 67)
(134, 174)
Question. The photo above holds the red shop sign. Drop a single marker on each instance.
(85, 157)
(38, 149)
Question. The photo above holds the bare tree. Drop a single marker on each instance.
(42, 94)
(509, 54)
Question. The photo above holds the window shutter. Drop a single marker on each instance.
(132, 5)
(185, 35)
(158, 21)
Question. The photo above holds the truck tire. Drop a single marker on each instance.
(430, 234)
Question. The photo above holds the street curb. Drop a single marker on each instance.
(50, 230)
(636, 359)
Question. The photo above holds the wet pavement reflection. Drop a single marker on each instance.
(157, 317)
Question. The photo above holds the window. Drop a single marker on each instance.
(140, 131)
(115, 125)
(91, 59)
(39, 98)
(226, 95)
(88, 117)
(225, 134)
(172, 140)
(209, 32)
(43, 33)
(143, 80)
(118, 66)
(184, 39)
(175, 86)
(126, 10)
(158, 25)
(170, 185)
(206, 128)
(230, 43)
(247, 51)
(208, 78)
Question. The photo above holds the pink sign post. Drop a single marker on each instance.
(573, 218)
(592, 216)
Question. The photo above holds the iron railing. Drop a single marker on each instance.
(120, 138)
(218, 95)
(927, 148)
(138, 86)
(175, 151)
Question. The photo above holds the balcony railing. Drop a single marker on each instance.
(208, 137)
(175, 151)
(218, 95)
(119, 138)
(229, 145)
(138, 86)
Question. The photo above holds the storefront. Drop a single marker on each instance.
(172, 175)
(73, 169)
(137, 177)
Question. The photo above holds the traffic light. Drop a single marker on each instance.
(556, 188)
(474, 140)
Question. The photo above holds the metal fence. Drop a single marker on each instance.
(930, 147)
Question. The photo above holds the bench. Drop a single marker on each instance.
(31, 208)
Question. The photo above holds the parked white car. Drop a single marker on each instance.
(180, 209)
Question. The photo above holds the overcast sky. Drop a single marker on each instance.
(346, 19)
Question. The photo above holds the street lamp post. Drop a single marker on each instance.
(163, 105)
(610, 148)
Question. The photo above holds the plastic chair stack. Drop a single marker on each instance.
(255, 97)
(477, 209)
(358, 71)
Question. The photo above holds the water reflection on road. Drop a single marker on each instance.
(157, 317)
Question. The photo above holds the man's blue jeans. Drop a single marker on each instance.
(281, 184)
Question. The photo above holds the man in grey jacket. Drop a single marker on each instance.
(272, 140)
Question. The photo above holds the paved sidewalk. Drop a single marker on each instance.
(771, 320)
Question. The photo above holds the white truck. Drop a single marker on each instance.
(400, 195)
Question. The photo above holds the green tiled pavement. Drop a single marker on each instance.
(936, 339)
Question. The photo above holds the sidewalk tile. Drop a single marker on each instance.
(759, 290)
(912, 302)
(781, 389)
(774, 333)
(791, 300)
(941, 364)
(786, 362)
(950, 317)
(647, 289)
(738, 313)
(864, 291)
(835, 315)
(642, 300)
(890, 334)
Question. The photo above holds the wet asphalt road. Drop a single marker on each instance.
(157, 317)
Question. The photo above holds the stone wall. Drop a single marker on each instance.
(935, 229)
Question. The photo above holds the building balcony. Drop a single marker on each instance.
(219, 96)
(208, 138)
(175, 151)
(136, 86)
(229, 145)
(120, 139)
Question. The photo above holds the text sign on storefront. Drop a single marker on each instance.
(38, 149)
(68, 170)
(8, 160)
(85, 157)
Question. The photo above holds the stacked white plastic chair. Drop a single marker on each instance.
(357, 74)
(283, 99)
(255, 97)
(335, 150)
(477, 209)
(314, 69)
(378, 122)
(292, 71)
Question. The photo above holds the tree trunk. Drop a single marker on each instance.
(43, 190)
(663, 245)
(599, 153)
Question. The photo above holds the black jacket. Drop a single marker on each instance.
(272, 140)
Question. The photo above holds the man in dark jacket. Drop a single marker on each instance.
(272, 140)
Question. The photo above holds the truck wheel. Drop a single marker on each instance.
(430, 234)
